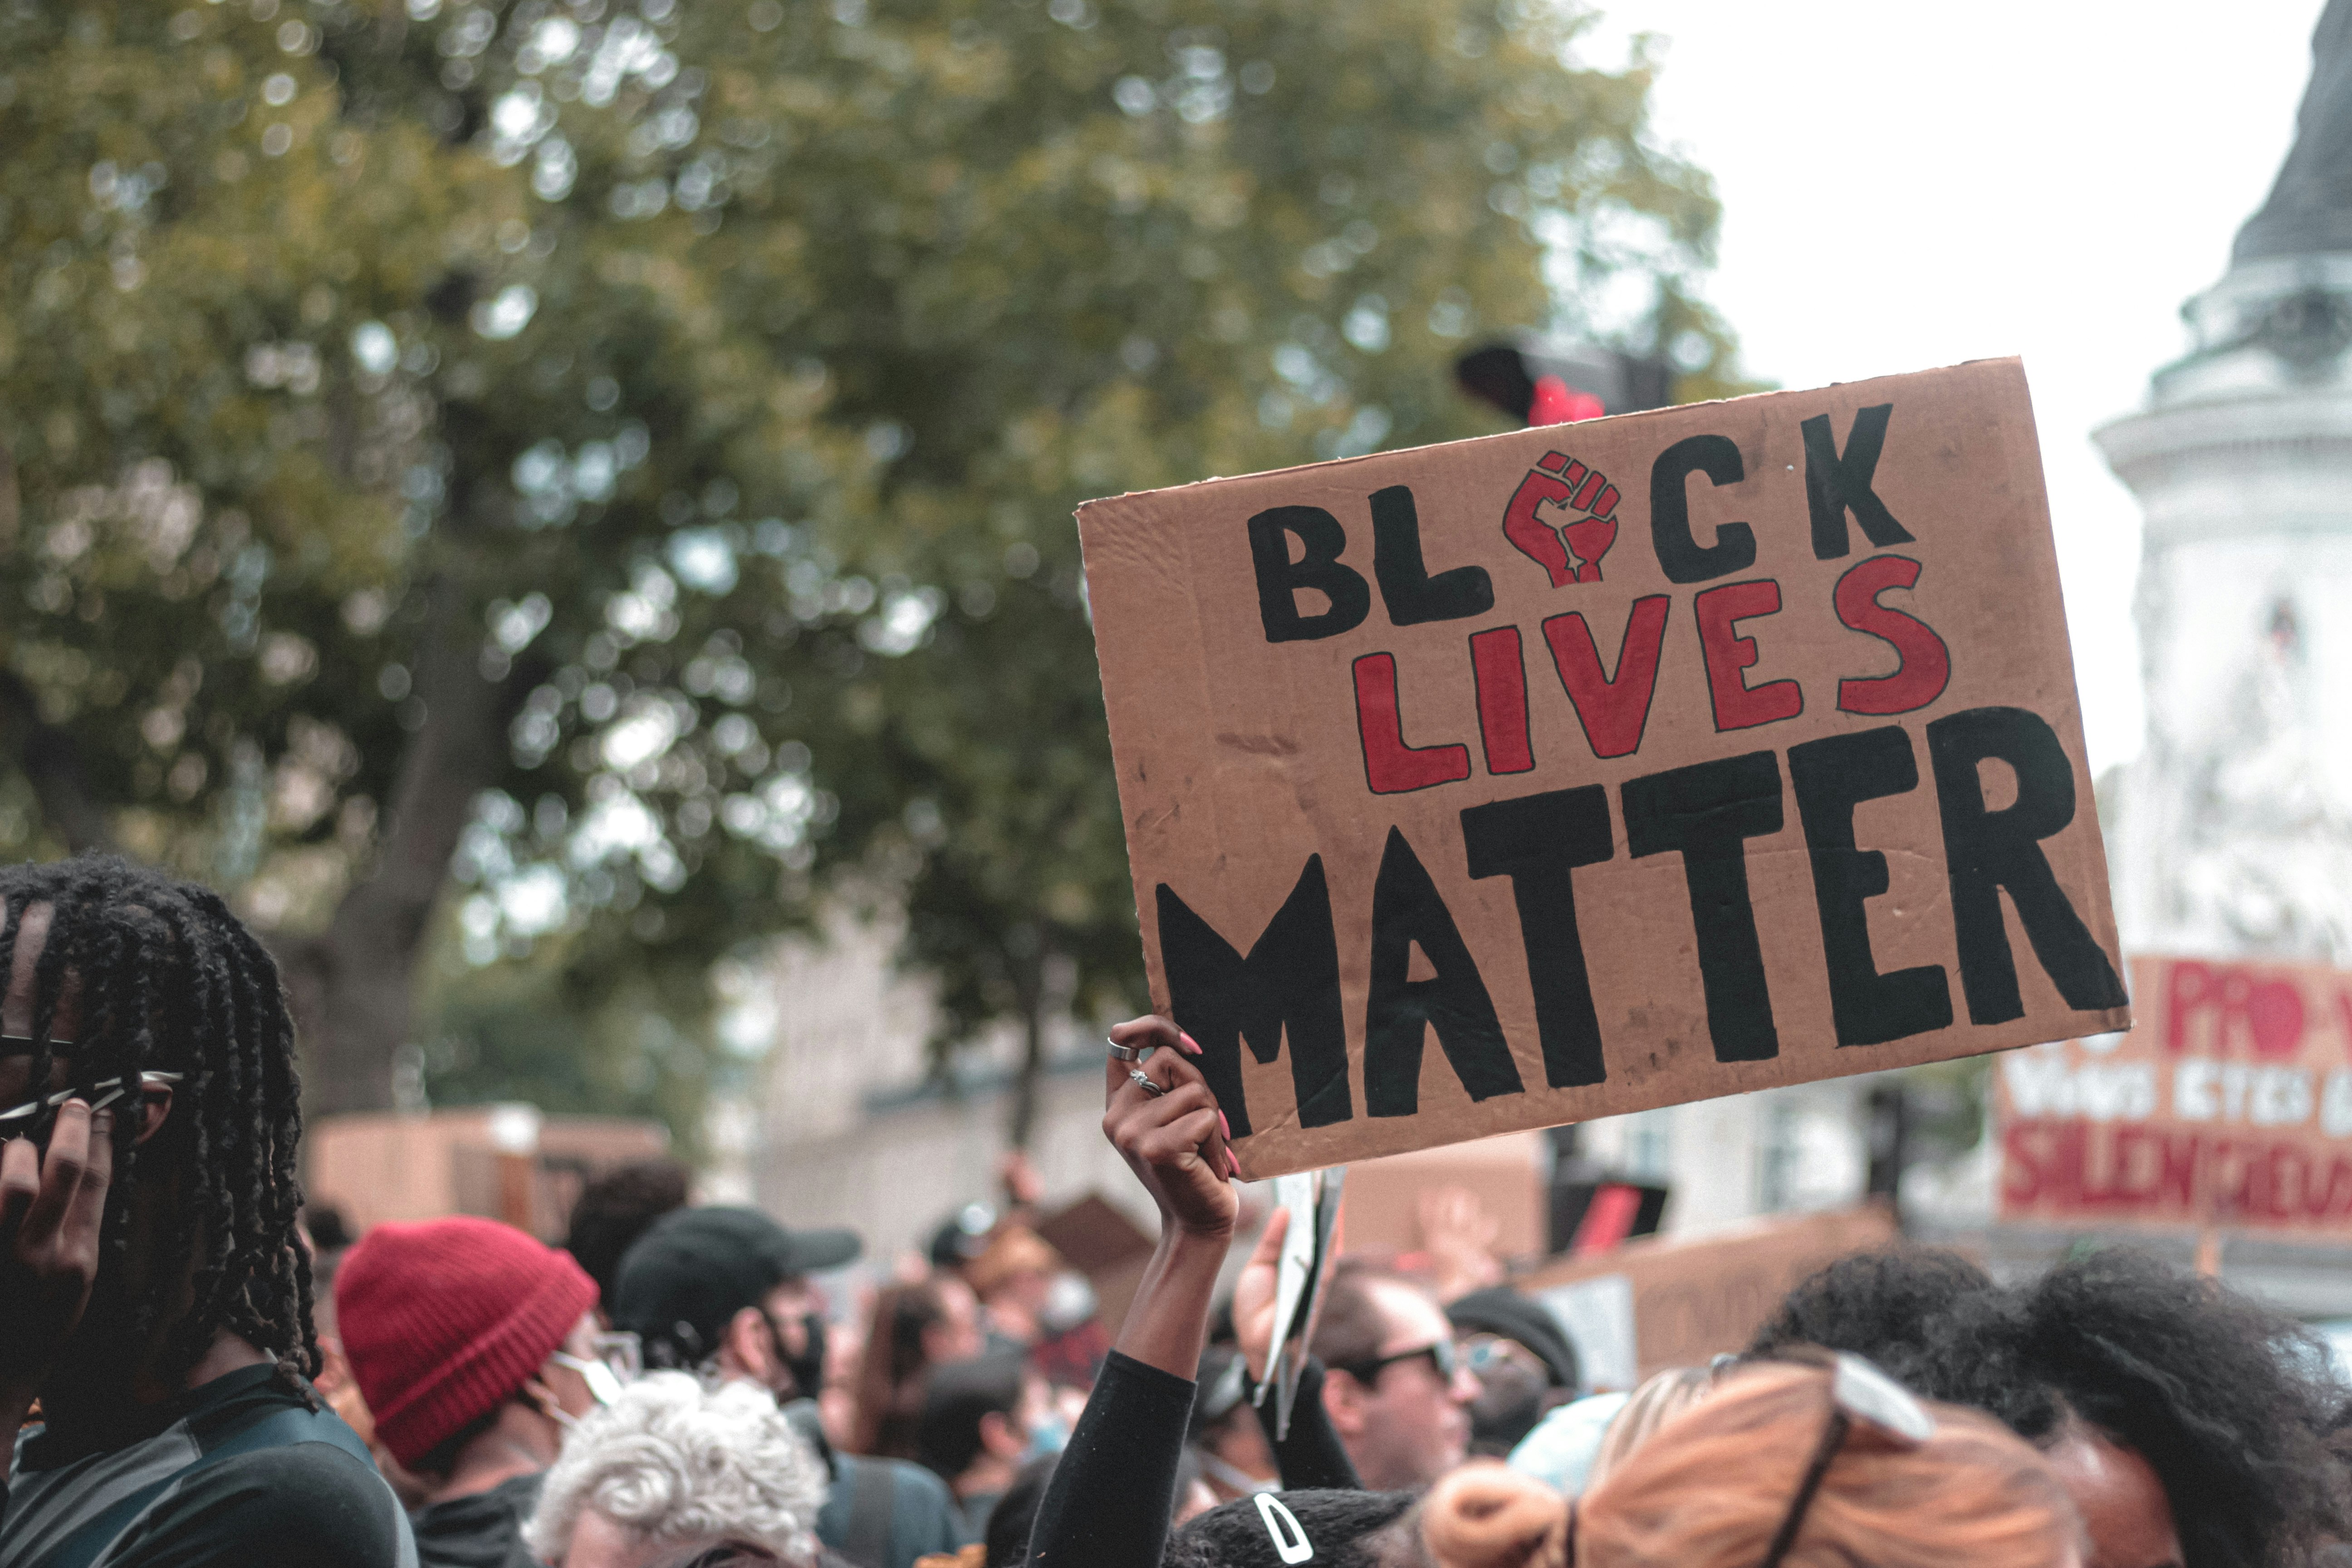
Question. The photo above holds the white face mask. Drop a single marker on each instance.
(603, 1383)
(603, 1387)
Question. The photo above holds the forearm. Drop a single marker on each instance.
(1170, 1319)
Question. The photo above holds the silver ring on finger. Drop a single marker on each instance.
(1125, 1053)
(1143, 1081)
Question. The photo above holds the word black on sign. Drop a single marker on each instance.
(1597, 768)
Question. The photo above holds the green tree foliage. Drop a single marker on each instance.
(620, 455)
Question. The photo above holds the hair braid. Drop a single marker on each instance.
(169, 979)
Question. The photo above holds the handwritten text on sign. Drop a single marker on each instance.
(1632, 762)
(2230, 1104)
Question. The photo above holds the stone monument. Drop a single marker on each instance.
(2233, 831)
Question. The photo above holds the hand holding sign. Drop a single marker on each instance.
(1715, 823)
(1173, 1139)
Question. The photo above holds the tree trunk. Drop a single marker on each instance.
(352, 984)
(53, 767)
(1030, 989)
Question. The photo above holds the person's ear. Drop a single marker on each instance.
(748, 1344)
(1343, 1402)
(155, 1107)
(997, 1435)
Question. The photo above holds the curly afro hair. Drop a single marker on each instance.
(2227, 1400)
(1888, 1306)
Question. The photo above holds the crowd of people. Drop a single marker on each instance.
(191, 1376)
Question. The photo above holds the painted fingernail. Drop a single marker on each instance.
(1233, 1161)
(1224, 1126)
(1190, 1044)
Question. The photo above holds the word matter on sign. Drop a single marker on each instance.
(1767, 769)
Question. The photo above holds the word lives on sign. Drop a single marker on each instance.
(1623, 763)
(2229, 1104)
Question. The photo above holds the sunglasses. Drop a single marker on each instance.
(35, 1118)
(1860, 1394)
(1443, 1359)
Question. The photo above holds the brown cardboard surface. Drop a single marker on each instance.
(2228, 1105)
(1316, 677)
(1505, 1174)
(1701, 1296)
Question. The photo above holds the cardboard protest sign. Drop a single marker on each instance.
(1666, 1301)
(2228, 1105)
(1632, 762)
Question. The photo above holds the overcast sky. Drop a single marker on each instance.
(1907, 185)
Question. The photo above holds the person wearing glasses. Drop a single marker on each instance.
(1826, 1463)
(477, 1349)
(154, 1291)
(2184, 1418)
(1395, 1389)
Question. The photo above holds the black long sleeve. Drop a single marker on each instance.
(1108, 1502)
(1312, 1457)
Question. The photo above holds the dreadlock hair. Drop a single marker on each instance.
(170, 981)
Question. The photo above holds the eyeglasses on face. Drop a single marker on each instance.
(34, 1117)
(1443, 1359)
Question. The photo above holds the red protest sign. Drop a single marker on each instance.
(2229, 1104)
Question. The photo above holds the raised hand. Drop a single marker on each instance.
(51, 1208)
(1253, 1297)
(1174, 1140)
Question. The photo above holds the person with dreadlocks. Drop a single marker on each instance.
(154, 1293)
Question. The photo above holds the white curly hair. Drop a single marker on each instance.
(674, 1460)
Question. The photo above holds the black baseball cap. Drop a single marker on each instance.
(1501, 1310)
(684, 1280)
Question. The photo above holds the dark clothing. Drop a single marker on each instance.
(484, 1531)
(238, 1471)
(1108, 1503)
(1312, 1457)
(877, 1513)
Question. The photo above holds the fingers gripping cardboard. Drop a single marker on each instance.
(1793, 788)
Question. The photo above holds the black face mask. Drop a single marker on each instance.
(808, 1367)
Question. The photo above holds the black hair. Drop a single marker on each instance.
(2225, 1399)
(956, 1397)
(615, 1209)
(1016, 1513)
(1341, 1527)
(1892, 1307)
(170, 981)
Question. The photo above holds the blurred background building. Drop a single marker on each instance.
(2233, 831)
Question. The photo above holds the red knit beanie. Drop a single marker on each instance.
(444, 1320)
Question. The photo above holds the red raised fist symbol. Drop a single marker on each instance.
(1561, 481)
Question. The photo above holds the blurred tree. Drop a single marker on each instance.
(619, 457)
(1071, 251)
